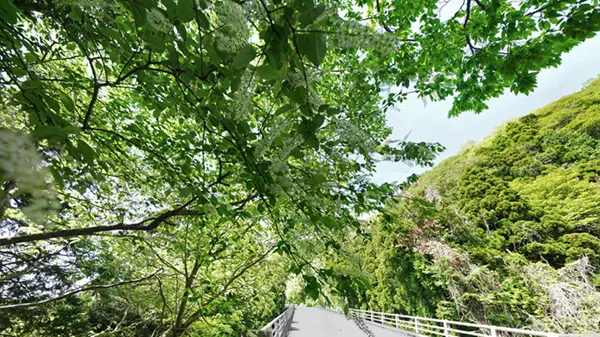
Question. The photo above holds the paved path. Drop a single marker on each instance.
(317, 322)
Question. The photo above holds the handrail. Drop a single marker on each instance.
(280, 326)
(433, 327)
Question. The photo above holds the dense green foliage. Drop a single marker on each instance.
(165, 164)
(506, 232)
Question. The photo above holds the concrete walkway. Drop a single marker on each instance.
(318, 322)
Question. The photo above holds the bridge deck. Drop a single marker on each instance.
(317, 322)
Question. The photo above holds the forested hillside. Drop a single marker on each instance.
(506, 232)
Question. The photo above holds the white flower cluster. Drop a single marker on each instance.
(296, 79)
(21, 163)
(439, 250)
(242, 99)
(158, 21)
(279, 164)
(91, 4)
(315, 99)
(266, 142)
(283, 186)
(432, 194)
(277, 189)
(255, 9)
(355, 136)
(352, 34)
(233, 32)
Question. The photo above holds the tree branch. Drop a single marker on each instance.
(480, 5)
(88, 114)
(95, 93)
(236, 274)
(189, 281)
(387, 28)
(72, 292)
(139, 226)
(145, 225)
(468, 39)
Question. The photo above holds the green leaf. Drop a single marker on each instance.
(185, 10)
(310, 15)
(67, 101)
(154, 41)
(76, 14)
(181, 29)
(52, 103)
(204, 22)
(8, 12)
(312, 286)
(110, 33)
(313, 46)
(171, 9)
(317, 180)
(186, 191)
(283, 109)
(267, 72)
(316, 122)
(306, 109)
(329, 222)
(544, 25)
(244, 57)
(312, 141)
(296, 269)
(213, 53)
(86, 152)
(54, 132)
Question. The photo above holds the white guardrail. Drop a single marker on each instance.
(432, 327)
(280, 326)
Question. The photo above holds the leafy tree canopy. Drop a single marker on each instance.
(180, 143)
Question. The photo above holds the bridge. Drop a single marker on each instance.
(321, 322)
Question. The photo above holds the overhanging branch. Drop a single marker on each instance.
(72, 292)
(145, 225)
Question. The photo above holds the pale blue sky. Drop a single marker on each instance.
(431, 123)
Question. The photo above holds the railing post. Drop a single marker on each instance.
(372, 319)
(280, 326)
(417, 325)
(493, 331)
(446, 331)
(397, 323)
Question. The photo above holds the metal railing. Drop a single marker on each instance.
(433, 327)
(280, 326)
